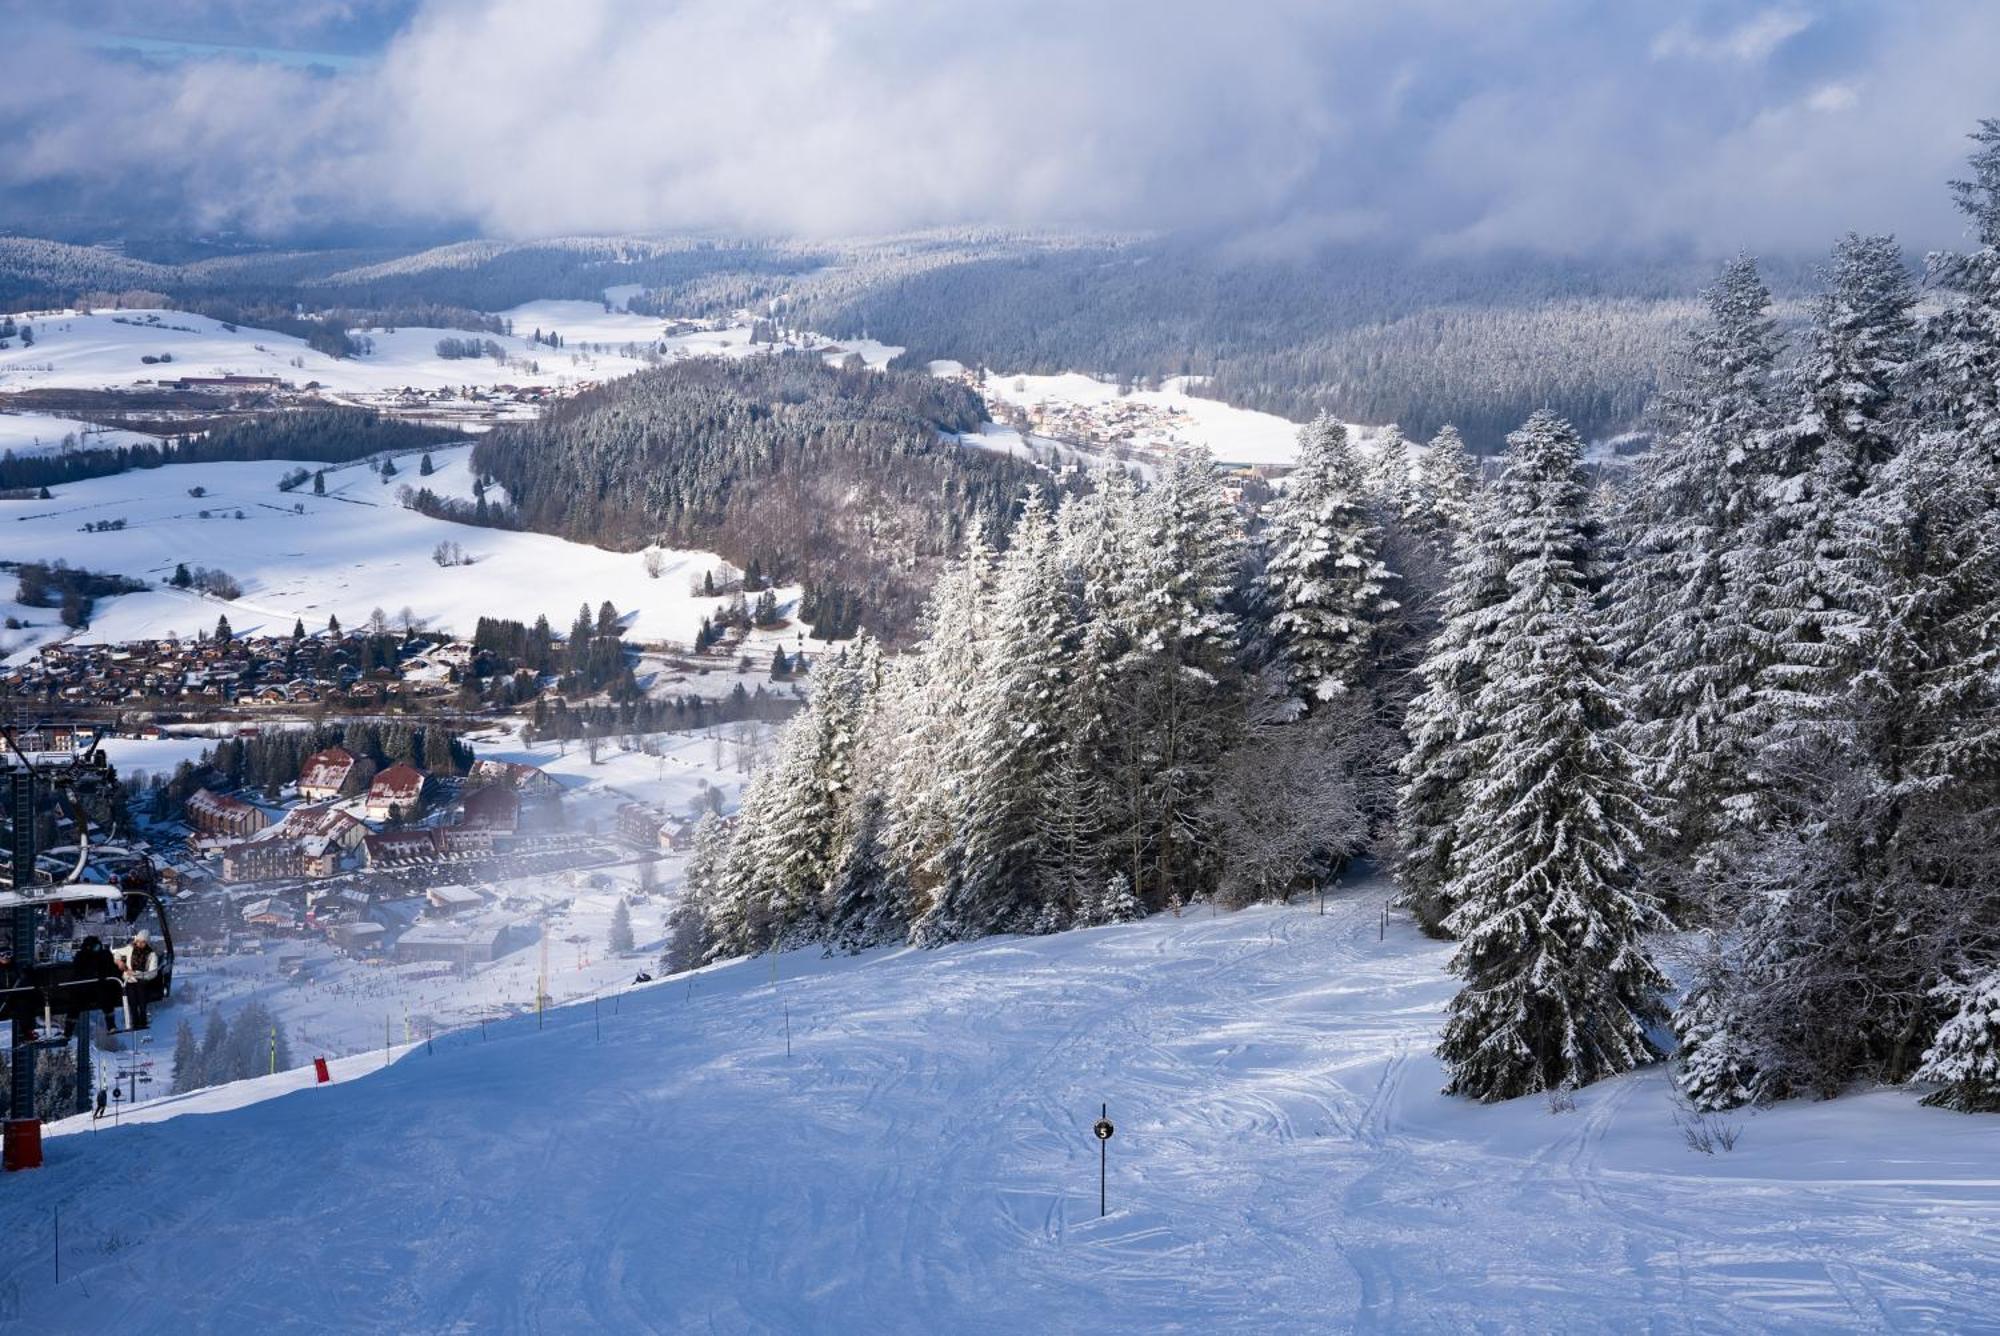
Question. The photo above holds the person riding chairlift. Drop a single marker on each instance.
(96, 972)
(140, 964)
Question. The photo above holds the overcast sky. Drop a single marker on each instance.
(1558, 124)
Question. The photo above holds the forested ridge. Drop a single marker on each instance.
(1367, 334)
(840, 479)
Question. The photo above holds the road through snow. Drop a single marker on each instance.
(923, 1162)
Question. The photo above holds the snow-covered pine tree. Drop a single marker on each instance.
(1715, 1067)
(788, 831)
(1091, 826)
(1447, 483)
(1857, 911)
(1179, 676)
(1015, 717)
(1958, 381)
(1324, 588)
(930, 695)
(213, 1062)
(1685, 638)
(1846, 426)
(1558, 988)
(1965, 1057)
(1448, 743)
(619, 939)
(1389, 483)
(866, 903)
(690, 932)
(187, 1059)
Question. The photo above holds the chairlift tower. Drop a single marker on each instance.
(26, 898)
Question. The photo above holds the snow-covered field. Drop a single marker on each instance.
(353, 550)
(921, 1161)
(103, 349)
(45, 433)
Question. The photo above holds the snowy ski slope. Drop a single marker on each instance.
(922, 1162)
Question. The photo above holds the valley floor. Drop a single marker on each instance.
(922, 1161)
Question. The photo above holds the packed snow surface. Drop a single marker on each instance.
(922, 1161)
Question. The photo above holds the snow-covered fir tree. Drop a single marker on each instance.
(1448, 740)
(1393, 489)
(1016, 733)
(1686, 639)
(1957, 385)
(1559, 989)
(788, 839)
(1179, 676)
(698, 918)
(1965, 1057)
(930, 695)
(1325, 589)
(1447, 485)
(1847, 424)
(1855, 912)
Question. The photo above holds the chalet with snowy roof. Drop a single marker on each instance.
(212, 813)
(309, 842)
(527, 780)
(321, 821)
(396, 793)
(325, 773)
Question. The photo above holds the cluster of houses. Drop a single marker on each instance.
(325, 834)
(456, 925)
(245, 671)
(1117, 424)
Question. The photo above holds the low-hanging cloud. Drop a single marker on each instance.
(1556, 124)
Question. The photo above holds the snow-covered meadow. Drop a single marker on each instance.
(104, 350)
(344, 554)
(921, 1161)
(46, 433)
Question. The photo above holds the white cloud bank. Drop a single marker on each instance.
(1553, 123)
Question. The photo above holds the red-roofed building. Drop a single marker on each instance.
(396, 792)
(325, 773)
(213, 813)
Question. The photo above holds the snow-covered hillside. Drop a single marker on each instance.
(45, 433)
(350, 551)
(103, 350)
(921, 1161)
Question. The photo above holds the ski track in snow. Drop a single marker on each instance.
(923, 1163)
